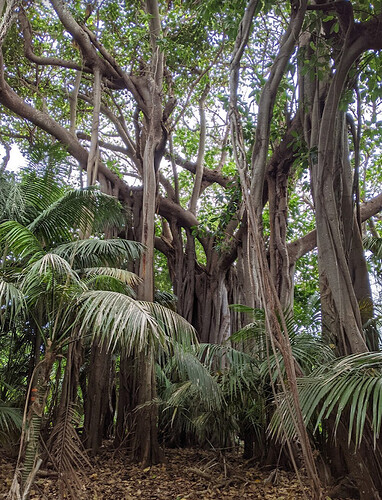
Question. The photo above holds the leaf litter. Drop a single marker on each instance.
(186, 474)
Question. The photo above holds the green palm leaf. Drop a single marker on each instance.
(94, 252)
(353, 383)
(11, 301)
(38, 193)
(374, 244)
(117, 318)
(126, 277)
(85, 210)
(19, 239)
(53, 267)
(12, 202)
(174, 325)
(112, 279)
(51, 282)
(198, 378)
(10, 419)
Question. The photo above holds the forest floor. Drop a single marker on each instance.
(186, 474)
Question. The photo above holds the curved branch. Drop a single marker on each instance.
(78, 34)
(105, 145)
(118, 78)
(267, 101)
(307, 243)
(42, 61)
(45, 122)
(7, 18)
(210, 176)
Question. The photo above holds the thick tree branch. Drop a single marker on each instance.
(201, 150)
(103, 144)
(210, 176)
(73, 99)
(91, 48)
(93, 158)
(172, 211)
(157, 63)
(89, 53)
(136, 85)
(42, 61)
(45, 122)
(307, 243)
(8, 17)
(267, 101)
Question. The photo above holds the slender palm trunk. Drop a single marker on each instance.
(29, 454)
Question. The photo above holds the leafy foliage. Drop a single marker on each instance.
(350, 385)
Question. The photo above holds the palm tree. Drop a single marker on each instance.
(39, 281)
(69, 287)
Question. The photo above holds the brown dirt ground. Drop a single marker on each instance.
(186, 474)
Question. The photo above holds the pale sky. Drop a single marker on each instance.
(16, 160)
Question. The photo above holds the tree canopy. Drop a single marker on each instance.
(242, 142)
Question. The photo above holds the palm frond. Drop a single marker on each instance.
(102, 282)
(126, 277)
(38, 192)
(308, 352)
(10, 418)
(51, 285)
(353, 383)
(117, 318)
(67, 452)
(19, 239)
(12, 202)
(374, 244)
(166, 299)
(12, 301)
(191, 369)
(95, 252)
(84, 210)
(48, 272)
(217, 357)
(174, 325)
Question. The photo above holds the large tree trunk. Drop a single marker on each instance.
(97, 396)
(252, 191)
(342, 268)
(204, 292)
(277, 181)
(125, 425)
(145, 444)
